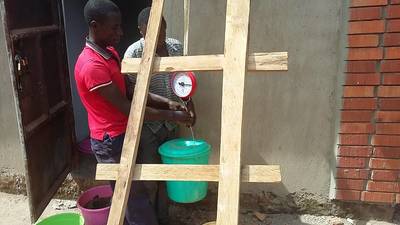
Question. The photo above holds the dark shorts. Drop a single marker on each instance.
(148, 202)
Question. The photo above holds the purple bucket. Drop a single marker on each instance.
(95, 216)
(85, 146)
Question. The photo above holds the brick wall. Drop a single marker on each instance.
(368, 162)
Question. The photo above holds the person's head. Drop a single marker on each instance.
(104, 20)
(143, 19)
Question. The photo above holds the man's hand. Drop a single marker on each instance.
(176, 106)
(182, 117)
(192, 111)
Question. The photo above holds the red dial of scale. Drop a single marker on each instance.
(184, 84)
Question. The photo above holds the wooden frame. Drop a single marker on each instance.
(249, 173)
(236, 37)
(273, 61)
(135, 122)
(230, 173)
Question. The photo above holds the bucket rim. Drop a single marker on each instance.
(61, 214)
(206, 150)
(93, 210)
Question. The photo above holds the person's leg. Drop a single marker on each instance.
(149, 144)
(162, 202)
(139, 210)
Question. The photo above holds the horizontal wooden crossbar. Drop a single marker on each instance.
(273, 61)
(159, 172)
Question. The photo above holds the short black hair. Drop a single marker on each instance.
(143, 17)
(98, 10)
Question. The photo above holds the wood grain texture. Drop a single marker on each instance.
(234, 73)
(186, 21)
(272, 61)
(135, 121)
(160, 172)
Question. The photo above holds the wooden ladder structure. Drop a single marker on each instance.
(234, 64)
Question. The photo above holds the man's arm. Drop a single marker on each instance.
(114, 96)
(153, 100)
(160, 102)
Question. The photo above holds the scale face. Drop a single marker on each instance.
(184, 84)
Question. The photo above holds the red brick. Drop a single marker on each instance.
(356, 116)
(366, 13)
(385, 175)
(393, 11)
(391, 78)
(363, 79)
(387, 152)
(382, 186)
(388, 128)
(392, 53)
(347, 195)
(388, 116)
(394, 2)
(356, 128)
(354, 139)
(389, 104)
(358, 91)
(348, 184)
(392, 26)
(361, 66)
(390, 66)
(359, 103)
(369, 40)
(386, 140)
(391, 39)
(360, 3)
(397, 199)
(377, 197)
(368, 27)
(358, 151)
(389, 91)
(350, 162)
(365, 54)
(352, 173)
(388, 164)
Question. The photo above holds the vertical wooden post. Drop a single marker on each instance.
(186, 20)
(234, 70)
(135, 122)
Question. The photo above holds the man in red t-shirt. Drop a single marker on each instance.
(102, 90)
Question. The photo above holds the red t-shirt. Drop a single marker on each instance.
(97, 68)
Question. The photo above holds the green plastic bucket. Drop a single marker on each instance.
(185, 151)
(63, 219)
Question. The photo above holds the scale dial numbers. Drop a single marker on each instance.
(183, 84)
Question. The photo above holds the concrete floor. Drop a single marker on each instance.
(14, 211)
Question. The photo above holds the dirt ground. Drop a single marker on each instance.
(14, 211)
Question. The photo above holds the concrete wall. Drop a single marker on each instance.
(11, 151)
(75, 33)
(290, 117)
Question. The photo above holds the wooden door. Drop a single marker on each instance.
(36, 43)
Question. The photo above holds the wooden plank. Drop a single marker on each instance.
(33, 31)
(160, 172)
(135, 122)
(272, 61)
(236, 38)
(186, 19)
(210, 223)
(37, 209)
